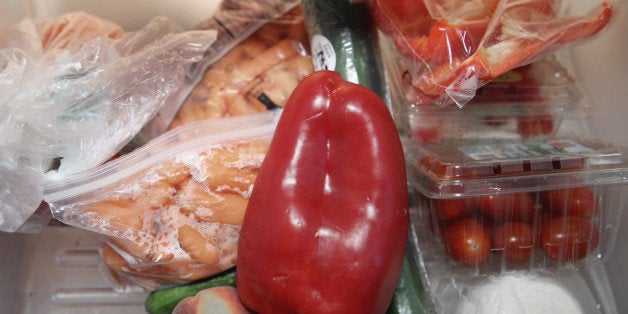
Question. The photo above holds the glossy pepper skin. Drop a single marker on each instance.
(326, 225)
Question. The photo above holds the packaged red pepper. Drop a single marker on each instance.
(326, 225)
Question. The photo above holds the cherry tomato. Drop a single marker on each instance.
(543, 221)
(426, 134)
(530, 126)
(569, 238)
(502, 207)
(467, 242)
(453, 208)
(576, 201)
(515, 239)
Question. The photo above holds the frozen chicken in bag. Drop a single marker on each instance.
(171, 210)
(453, 47)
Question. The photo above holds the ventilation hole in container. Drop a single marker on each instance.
(527, 166)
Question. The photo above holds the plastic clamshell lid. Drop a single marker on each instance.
(538, 84)
(542, 86)
(542, 82)
(467, 168)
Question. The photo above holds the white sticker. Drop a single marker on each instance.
(515, 150)
(323, 54)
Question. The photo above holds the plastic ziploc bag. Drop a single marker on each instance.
(80, 106)
(171, 210)
(234, 21)
(453, 47)
(256, 75)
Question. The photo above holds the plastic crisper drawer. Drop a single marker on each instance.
(59, 271)
(497, 206)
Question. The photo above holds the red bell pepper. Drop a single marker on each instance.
(326, 225)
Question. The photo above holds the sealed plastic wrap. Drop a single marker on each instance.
(68, 110)
(496, 206)
(255, 75)
(170, 210)
(454, 47)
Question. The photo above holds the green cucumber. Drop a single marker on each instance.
(344, 39)
(410, 296)
(163, 301)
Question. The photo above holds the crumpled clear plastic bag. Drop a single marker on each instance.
(20, 191)
(70, 110)
(453, 47)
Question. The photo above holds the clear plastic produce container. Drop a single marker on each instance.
(449, 290)
(537, 100)
(426, 124)
(497, 206)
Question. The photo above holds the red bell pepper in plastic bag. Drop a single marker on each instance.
(326, 225)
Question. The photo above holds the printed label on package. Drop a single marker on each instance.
(323, 54)
(515, 150)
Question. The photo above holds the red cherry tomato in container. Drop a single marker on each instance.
(502, 207)
(569, 238)
(467, 242)
(515, 239)
(576, 201)
(453, 208)
(535, 125)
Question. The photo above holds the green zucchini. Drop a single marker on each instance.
(344, 39)
(163, 301)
